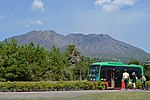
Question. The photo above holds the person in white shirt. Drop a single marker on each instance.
(126, 79)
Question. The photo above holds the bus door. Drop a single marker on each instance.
(118, 78)
(110, 78)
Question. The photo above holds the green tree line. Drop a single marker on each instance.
(30, 62)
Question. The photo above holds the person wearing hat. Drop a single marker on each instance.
(134, 77)
(126, 78)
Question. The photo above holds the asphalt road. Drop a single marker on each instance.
(52, 94)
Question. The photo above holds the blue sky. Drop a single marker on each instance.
(124, 20)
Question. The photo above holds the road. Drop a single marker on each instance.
(52, 94)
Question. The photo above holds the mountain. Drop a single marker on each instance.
(93, 45)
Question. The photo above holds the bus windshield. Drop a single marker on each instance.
(94, 70)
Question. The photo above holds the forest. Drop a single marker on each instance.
(30, 62)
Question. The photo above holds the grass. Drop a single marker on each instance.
(112, 96)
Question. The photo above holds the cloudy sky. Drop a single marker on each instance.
(124, 20)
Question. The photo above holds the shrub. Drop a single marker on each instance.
(49, 86)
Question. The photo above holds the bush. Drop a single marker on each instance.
(2, 80)
(49, 86)
(56, 86)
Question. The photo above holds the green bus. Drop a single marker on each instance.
(110, 73)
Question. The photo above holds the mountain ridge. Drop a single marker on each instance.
(92, 45)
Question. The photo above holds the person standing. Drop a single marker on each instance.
(143, 79)
(134, 80)
(126, 79)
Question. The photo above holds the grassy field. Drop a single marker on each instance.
(112, 96)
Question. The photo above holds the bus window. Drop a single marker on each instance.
(94, 72)
(137, 71)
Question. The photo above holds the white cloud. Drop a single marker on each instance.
(113, 5)
(35, 23)
(38, 5)
(38, 22)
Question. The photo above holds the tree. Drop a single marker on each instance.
(133, 61)
(146, 66)
(37, 61)
(32, 62)
(57, 64)
(71, 53)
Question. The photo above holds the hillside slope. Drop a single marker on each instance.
(93, 45)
